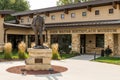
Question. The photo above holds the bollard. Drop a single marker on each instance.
(24, 72)
(95, 56)
(51, 70)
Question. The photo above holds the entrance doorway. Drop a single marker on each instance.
(64, 42)
(83, 44)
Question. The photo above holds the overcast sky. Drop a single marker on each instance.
(38, 4)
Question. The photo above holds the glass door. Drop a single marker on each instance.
(83, 44)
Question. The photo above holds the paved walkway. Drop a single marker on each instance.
(79, 68)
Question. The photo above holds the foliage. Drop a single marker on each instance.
(66, 2)
(108, 51)
(75, 53)
(65, 56)
(8, 51)
(22, 51)
(16, 5)
(55, 53)
(111, 60)
(32, 44)
(14, 55)
(1, 55)
(56, 57)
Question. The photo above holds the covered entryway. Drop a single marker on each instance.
(64, 42)
(15, 39)
(91, 43)
(83, 44)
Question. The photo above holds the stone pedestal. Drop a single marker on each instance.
(39, 59)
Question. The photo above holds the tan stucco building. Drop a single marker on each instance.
(84, 27)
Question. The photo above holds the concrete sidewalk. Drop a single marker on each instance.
(79, 68)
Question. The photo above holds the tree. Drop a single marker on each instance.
(16, 5)
(66, 2)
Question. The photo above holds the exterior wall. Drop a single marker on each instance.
(1, 33)
(104, 15)
(90, 46)
(109, 41)
(17, 31)
(26, 20)
(76, 42)
(118, 44)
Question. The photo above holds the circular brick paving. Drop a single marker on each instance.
(17, 70)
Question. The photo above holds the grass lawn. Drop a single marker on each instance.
(111, 60)
(65, 56)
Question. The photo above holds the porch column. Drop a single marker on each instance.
(118, 45)
(26, 39)
(76, 42)
(109, 41)
(6, 38)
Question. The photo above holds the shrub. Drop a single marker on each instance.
(55, 53)
(32, 44)
(108, 51)
(22, 51)
(8, 51)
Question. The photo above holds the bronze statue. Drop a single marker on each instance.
(38, 27)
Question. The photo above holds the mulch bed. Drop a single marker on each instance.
(56, 69)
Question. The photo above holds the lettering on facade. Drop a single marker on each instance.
(94, 30)
(84, 31)
(55, 31)
(64, 31)
(107, 30)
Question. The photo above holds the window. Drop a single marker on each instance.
(53, 17)
(62, 16)
(97, 12)
(111, 11)
(84, 14)
(22, 20)
(100, 40)
(72, 15)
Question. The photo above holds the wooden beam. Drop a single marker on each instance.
(47, 14)
(66, 11)
(18, 17)
(89, 8)
(31, 15)
(2, 15)
(114, 5)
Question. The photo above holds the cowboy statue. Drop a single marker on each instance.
(38, 27)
